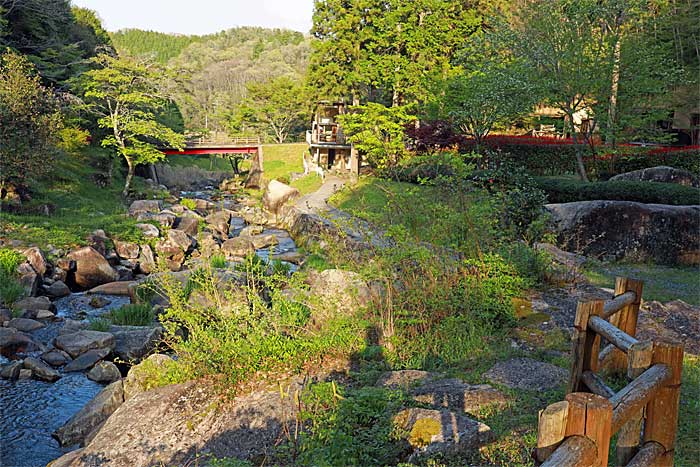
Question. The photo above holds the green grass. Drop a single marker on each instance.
(81, 207)
(218, 262)
(10, 288)
(279, 160)
(688, 438)
(100, 324)
(662, 283)
(308, 184)
(132, 315)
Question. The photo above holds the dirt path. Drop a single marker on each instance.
(317, 202)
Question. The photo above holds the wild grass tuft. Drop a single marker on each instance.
(132, 315)
(218, 262)
(99, 324)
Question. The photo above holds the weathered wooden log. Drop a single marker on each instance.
(638, 360)
(575, 451)
(662, 410)
(649, 455)
(551, 429)
(590, 415)
(618, 303)
(586, 343)
(615, 336)
(597, 385)
(625, 320)
(637, 394)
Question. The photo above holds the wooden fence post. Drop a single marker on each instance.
(586, 344)
(639, 358)
(590, 415)
(626, 320)
(551, 429)
(662, 410)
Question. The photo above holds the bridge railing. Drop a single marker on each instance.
(223, 141)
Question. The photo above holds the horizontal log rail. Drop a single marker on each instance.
(596, 384)
(650, 454)
(575, 451)
(615, 336)
(637, 394)
(610, 307)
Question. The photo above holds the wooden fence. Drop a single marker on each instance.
(644, 414)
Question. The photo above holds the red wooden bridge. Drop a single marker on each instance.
(219, 145)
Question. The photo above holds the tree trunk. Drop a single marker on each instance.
(579, 153)
(615, 81)
(129, 176)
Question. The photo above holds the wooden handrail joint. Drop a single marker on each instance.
(615, 336)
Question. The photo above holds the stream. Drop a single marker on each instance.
(31, 410)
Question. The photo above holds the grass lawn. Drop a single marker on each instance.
(204, 161)
(662, 283)
(279, 160)
(81, 207)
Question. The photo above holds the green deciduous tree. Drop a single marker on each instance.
(127, 97)
(29, 122)
(275, 108)
(378, 132)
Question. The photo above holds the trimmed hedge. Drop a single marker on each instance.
(561, 190)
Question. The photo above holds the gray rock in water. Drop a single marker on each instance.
(35, 304)
(25, 373)
(25, 325)
(628, 230)
(526, 373)
(86, 360)
(91, 415)
(57, 289)
(660, 174)
(432, 432)
(11, 370)
(41, 370)
(80, 342)
(56, 357)
(13, 341)
(104, 372)
(133, 343)
(99, 302)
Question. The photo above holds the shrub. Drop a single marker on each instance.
(218, 262)
(189, 203)
(132, 315)
(566, 190)
(10, 290)
(9, 260)
(72, 139)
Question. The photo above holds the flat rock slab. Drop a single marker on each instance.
(133, 343)
(455, 394)
(526, 373)
(41, 370)
(25, 324)
(431, 431)
(91, 415)
(87, 360)
(80, 342)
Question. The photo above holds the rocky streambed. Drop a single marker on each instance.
(54, 361)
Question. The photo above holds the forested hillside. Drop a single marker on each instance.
(212, 72)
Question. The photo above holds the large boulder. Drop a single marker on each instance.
(164, 426)
(127, 250)
(13, 342)
(104, 372)
(25, 324)
(237, 247)
(133, 343)
(91, 415)
(340, 291)
(432, 432)
(661, 174)
(139, 376)
(189, 225)
(41, 370)
(219, 221)
(77, 343)
(141, 206)
(57, 289)
(113, 288)
(28, 278)
(36, 258)
(87, 360)
(276, 194)
(32, 305)
(147, 261)
(627, 230)
(181, 239)
(92, 269)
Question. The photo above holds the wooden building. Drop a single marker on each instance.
(328, 148)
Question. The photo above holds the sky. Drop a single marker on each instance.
(201, 16)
